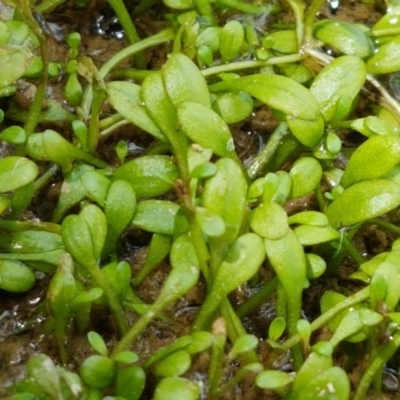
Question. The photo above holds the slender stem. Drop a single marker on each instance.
(385, 225)
(258, 165)
(239, 65)
(36, 106)
(309, 19)
(110, 295)
(254, 302)
(99, 96)
(298, 7)
(136, 330)
(377, 363)
(355, 255)
(161, 37)
(350, 301)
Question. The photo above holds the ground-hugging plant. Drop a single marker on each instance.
(215, 219)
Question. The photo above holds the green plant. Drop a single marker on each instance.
(216, 221)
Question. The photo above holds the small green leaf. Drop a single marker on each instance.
(157, 216)
(77, 239)
(224, 194)
(126, 357)
(176, 388)
(205, 127)
(174, 364)
(283, 41)
(372, 159)
(306, 175)
(313, 218)
(13, 134)
(99, 372)
(285, 95)
(316, 266)
(184, 81)
(276, 329)
(332, 382)
(310, 235)
(14, 61)
(362, 201)
(201, 341)
(241, 262)
(96, 185)
(269, 220)
(337, 85)
(233, 107)
(16, 172)
(125, 98)
(386, 58)
(97, 224)
(344, 36)
(149, 176)
(40, 366)
(97, 342)
(210, 223)
(120, 206)
(27, 241)
(130, 382)
(16, 277)
(243, 344)
(231, 40)
(273, 379)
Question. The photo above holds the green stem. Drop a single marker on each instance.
(36, 106)
(99, 96)
(385, 225)
(298, 7)
(258, 165)
(160, 37)
(136, 329)
(111, 297)
(377, 363)
(240, 65)
(254, 302)
(18, 226)
(352, 251)
(129, 28)
(236, 329)
(309, 19)
(323, 319)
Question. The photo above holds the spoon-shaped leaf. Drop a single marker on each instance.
(206, 128)
(362, 201)
(386, 59)
(287, 96)
(337, 85)
(16, 172)
(97, 224)
(241, 262)
(344, 36)
(125, 98)
(225, 195)
(149, 175)
(120, 206)
(184, 81)
(372, 159)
